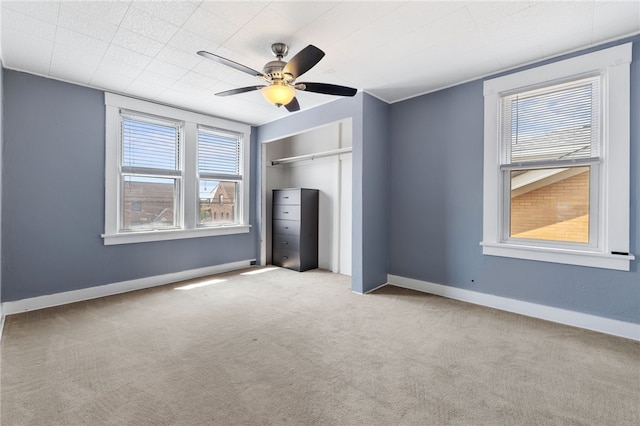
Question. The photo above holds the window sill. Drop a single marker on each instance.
(556, 255)
(173, 234)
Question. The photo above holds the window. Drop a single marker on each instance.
(549, 155)
(164, 168)
(150, 173)
(219, 176)
(556, 162)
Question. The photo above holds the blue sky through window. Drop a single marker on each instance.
(558, 123)
(538, 115)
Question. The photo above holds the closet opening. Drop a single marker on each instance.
(319, 159)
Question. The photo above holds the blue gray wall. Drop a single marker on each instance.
(435, 222)
(370, 127)
(375, 188)
(53, 199)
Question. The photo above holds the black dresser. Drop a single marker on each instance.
(295, 228)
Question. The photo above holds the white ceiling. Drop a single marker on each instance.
(393, 50)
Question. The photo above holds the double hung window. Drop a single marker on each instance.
(549, 157)
(151, 173)
(219, 177)
(172, 174)
(556, 177)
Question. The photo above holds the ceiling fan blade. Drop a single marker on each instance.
(230, 63)
(293, 105)
(328, 89)
(303, 61)
(239, 90)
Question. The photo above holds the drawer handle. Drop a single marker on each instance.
(284, 257)
(285, 197)
(285, 212)
(285, 243)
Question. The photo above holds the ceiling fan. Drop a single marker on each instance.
(281, 76)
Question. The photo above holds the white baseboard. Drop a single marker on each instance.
(63, 298)
(576, 319)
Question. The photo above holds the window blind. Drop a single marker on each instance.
(556, 124)
(149, 145)
(218, 154)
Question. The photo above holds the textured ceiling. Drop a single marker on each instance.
(392, 50)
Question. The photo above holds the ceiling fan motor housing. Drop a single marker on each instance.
(274, 69)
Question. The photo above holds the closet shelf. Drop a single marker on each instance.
(311, 156)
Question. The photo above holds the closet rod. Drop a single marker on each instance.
(311, 156)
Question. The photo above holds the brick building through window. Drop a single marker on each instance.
(148, 205)
(554, 208)
(220, 204)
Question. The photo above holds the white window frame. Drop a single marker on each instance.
(188, 226)
(611, 248)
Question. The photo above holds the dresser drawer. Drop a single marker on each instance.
(286, 242)
(287, 227)
(284, 211)
(286, 196)
(286, 259)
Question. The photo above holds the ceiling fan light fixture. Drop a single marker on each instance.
(280, 76)
(278, 93)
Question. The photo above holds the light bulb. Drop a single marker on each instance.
(278, 93)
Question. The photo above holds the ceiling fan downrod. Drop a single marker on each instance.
(279, 50)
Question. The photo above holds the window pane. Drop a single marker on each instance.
(148, 203)
(152, 145)
(218, 153)
(550, 204)
(559, 122)
(218, 203)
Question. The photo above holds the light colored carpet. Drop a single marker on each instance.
(280, 347)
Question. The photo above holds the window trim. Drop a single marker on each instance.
(112, 235)
(613, 229)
